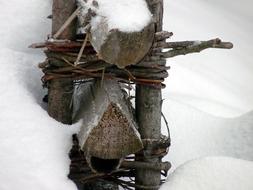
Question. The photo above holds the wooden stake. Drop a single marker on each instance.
(148, 112)
(60, 91)
(62, 10)
(66, 23)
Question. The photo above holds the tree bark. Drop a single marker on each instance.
(148, 111)
(62, 10)
(60, 91)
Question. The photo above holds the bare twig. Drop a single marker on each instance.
(166, 123)
(119, 181)
(82, 49)
(37, 45)
(187, 47)
(67, 23)
(163, 35)
(165, 166)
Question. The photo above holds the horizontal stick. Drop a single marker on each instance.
(71, 57)
(162, 143)
(130, 184)
(215, 43)
(187, 47)
(163, 35)
(63, 46)
(165, 166)
(67, 23)
(37, 45)
(149, 62)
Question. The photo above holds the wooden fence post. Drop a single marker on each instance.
(148, 110)
(60, 91)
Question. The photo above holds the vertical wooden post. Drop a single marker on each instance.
(60, 91)
(148, 111)
(62, 9)
(148, 108)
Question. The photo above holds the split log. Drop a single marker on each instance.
(111, 44)
(109, 131)
(121, 48)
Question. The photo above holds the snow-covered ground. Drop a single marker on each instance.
(208, 99)
(33, 147)
(219, 173)
(216, 81)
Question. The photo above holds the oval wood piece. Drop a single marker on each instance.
(122, 48)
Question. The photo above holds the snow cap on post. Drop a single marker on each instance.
(122, 32)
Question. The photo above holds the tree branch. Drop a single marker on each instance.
(187, 47)
(163, 35)
(165, 166)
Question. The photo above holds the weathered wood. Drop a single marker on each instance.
(59, 100)
(163, 35)
(121, 48)
(165, 166)
(214, 43)
(112, 45)
(187, 47)
(70, 19)
(62, 10)
(109, 130)
(136, 186)
(80, 172)
(60, 90)
(71, 57)
(98, 184)
(148, 112)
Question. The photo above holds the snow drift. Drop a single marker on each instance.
(213, 173)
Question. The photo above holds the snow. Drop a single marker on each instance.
(214, 81)
(24, 22)
(34, 147)
(208, 99)
(212, 173)
(197, 134)
(124, 15)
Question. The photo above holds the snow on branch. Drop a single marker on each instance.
(187, 47)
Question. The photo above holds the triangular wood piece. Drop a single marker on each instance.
(108, 130)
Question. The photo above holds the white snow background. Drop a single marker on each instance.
(208, 100)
